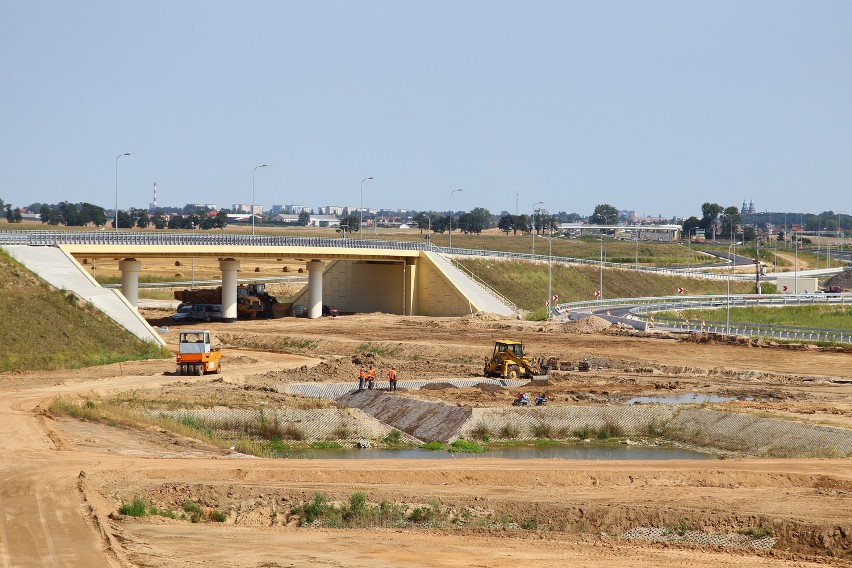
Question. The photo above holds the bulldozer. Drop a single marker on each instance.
(509, 362)
(196, 354)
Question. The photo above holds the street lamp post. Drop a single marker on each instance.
(600, 283)
(549, 302)
(361, 209)
(533, 224)
(451, 216)
(728, 303)
(115, 224)
(252, 194)
(429, 230)
(796, 266)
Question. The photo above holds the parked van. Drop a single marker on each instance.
(206, 312)
(183, 312)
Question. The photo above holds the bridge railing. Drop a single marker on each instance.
(107, 237)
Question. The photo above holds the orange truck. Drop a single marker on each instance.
(196, 354)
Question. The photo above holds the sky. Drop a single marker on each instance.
(651, 106)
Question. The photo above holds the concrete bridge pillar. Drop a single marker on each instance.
(130, 268)
(315, 268)
(229, 268)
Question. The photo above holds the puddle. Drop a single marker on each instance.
(518, 453)
(686, 398)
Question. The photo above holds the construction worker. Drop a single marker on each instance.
(392, 379)
(362, 377)
(371, 377)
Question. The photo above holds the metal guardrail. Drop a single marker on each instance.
(648, 306)
(488, 288)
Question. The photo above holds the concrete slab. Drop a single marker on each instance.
(480, 297)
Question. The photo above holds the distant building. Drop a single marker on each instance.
(748, 209)
(333, 210)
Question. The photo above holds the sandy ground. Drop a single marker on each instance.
(63, 480)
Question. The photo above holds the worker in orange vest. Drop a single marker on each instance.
(392, 379)
(371, 377)
(362, 377)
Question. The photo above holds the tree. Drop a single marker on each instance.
(507, 223)
(176, 222)
(604, 214)
(9, 215)
(730, 222)
(125, 221)
(49, 216)
(440, 223)
(142, 219)
(522, 223)
(423, 221)
(709, 214)
(690, 225)
(304, 218)
(220, 221)
(350, 223)
(159, 220)
(474, 222)
(2, 205)
(93, 214)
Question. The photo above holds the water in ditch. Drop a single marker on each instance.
(519, 453)
(685, 398)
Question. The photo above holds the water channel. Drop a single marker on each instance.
(518, 453)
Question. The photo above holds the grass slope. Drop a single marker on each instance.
(46, 329)
(525, 283)
(825, 317)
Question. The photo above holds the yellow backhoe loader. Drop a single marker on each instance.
(509, 362)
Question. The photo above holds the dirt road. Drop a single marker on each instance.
(63, 481)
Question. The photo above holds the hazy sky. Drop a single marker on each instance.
(652, 106)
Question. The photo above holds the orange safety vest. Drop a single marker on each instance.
(371, 374)
(392, 375)
(362, 374)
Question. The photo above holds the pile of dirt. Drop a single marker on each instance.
(591, 324)
(844, 280)
(346, 369)
(439, 386)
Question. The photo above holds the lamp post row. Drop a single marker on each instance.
(253, 180)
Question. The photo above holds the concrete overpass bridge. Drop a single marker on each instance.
(355, 275)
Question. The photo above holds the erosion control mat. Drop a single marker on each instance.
(427, 421)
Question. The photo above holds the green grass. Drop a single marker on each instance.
(53, 329)
(382, 349)
(819, 316)
(526, 283)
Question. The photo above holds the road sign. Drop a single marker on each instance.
(547, 303)
(597, 293)
(785, 288)
(680, 290)
(555, 298)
